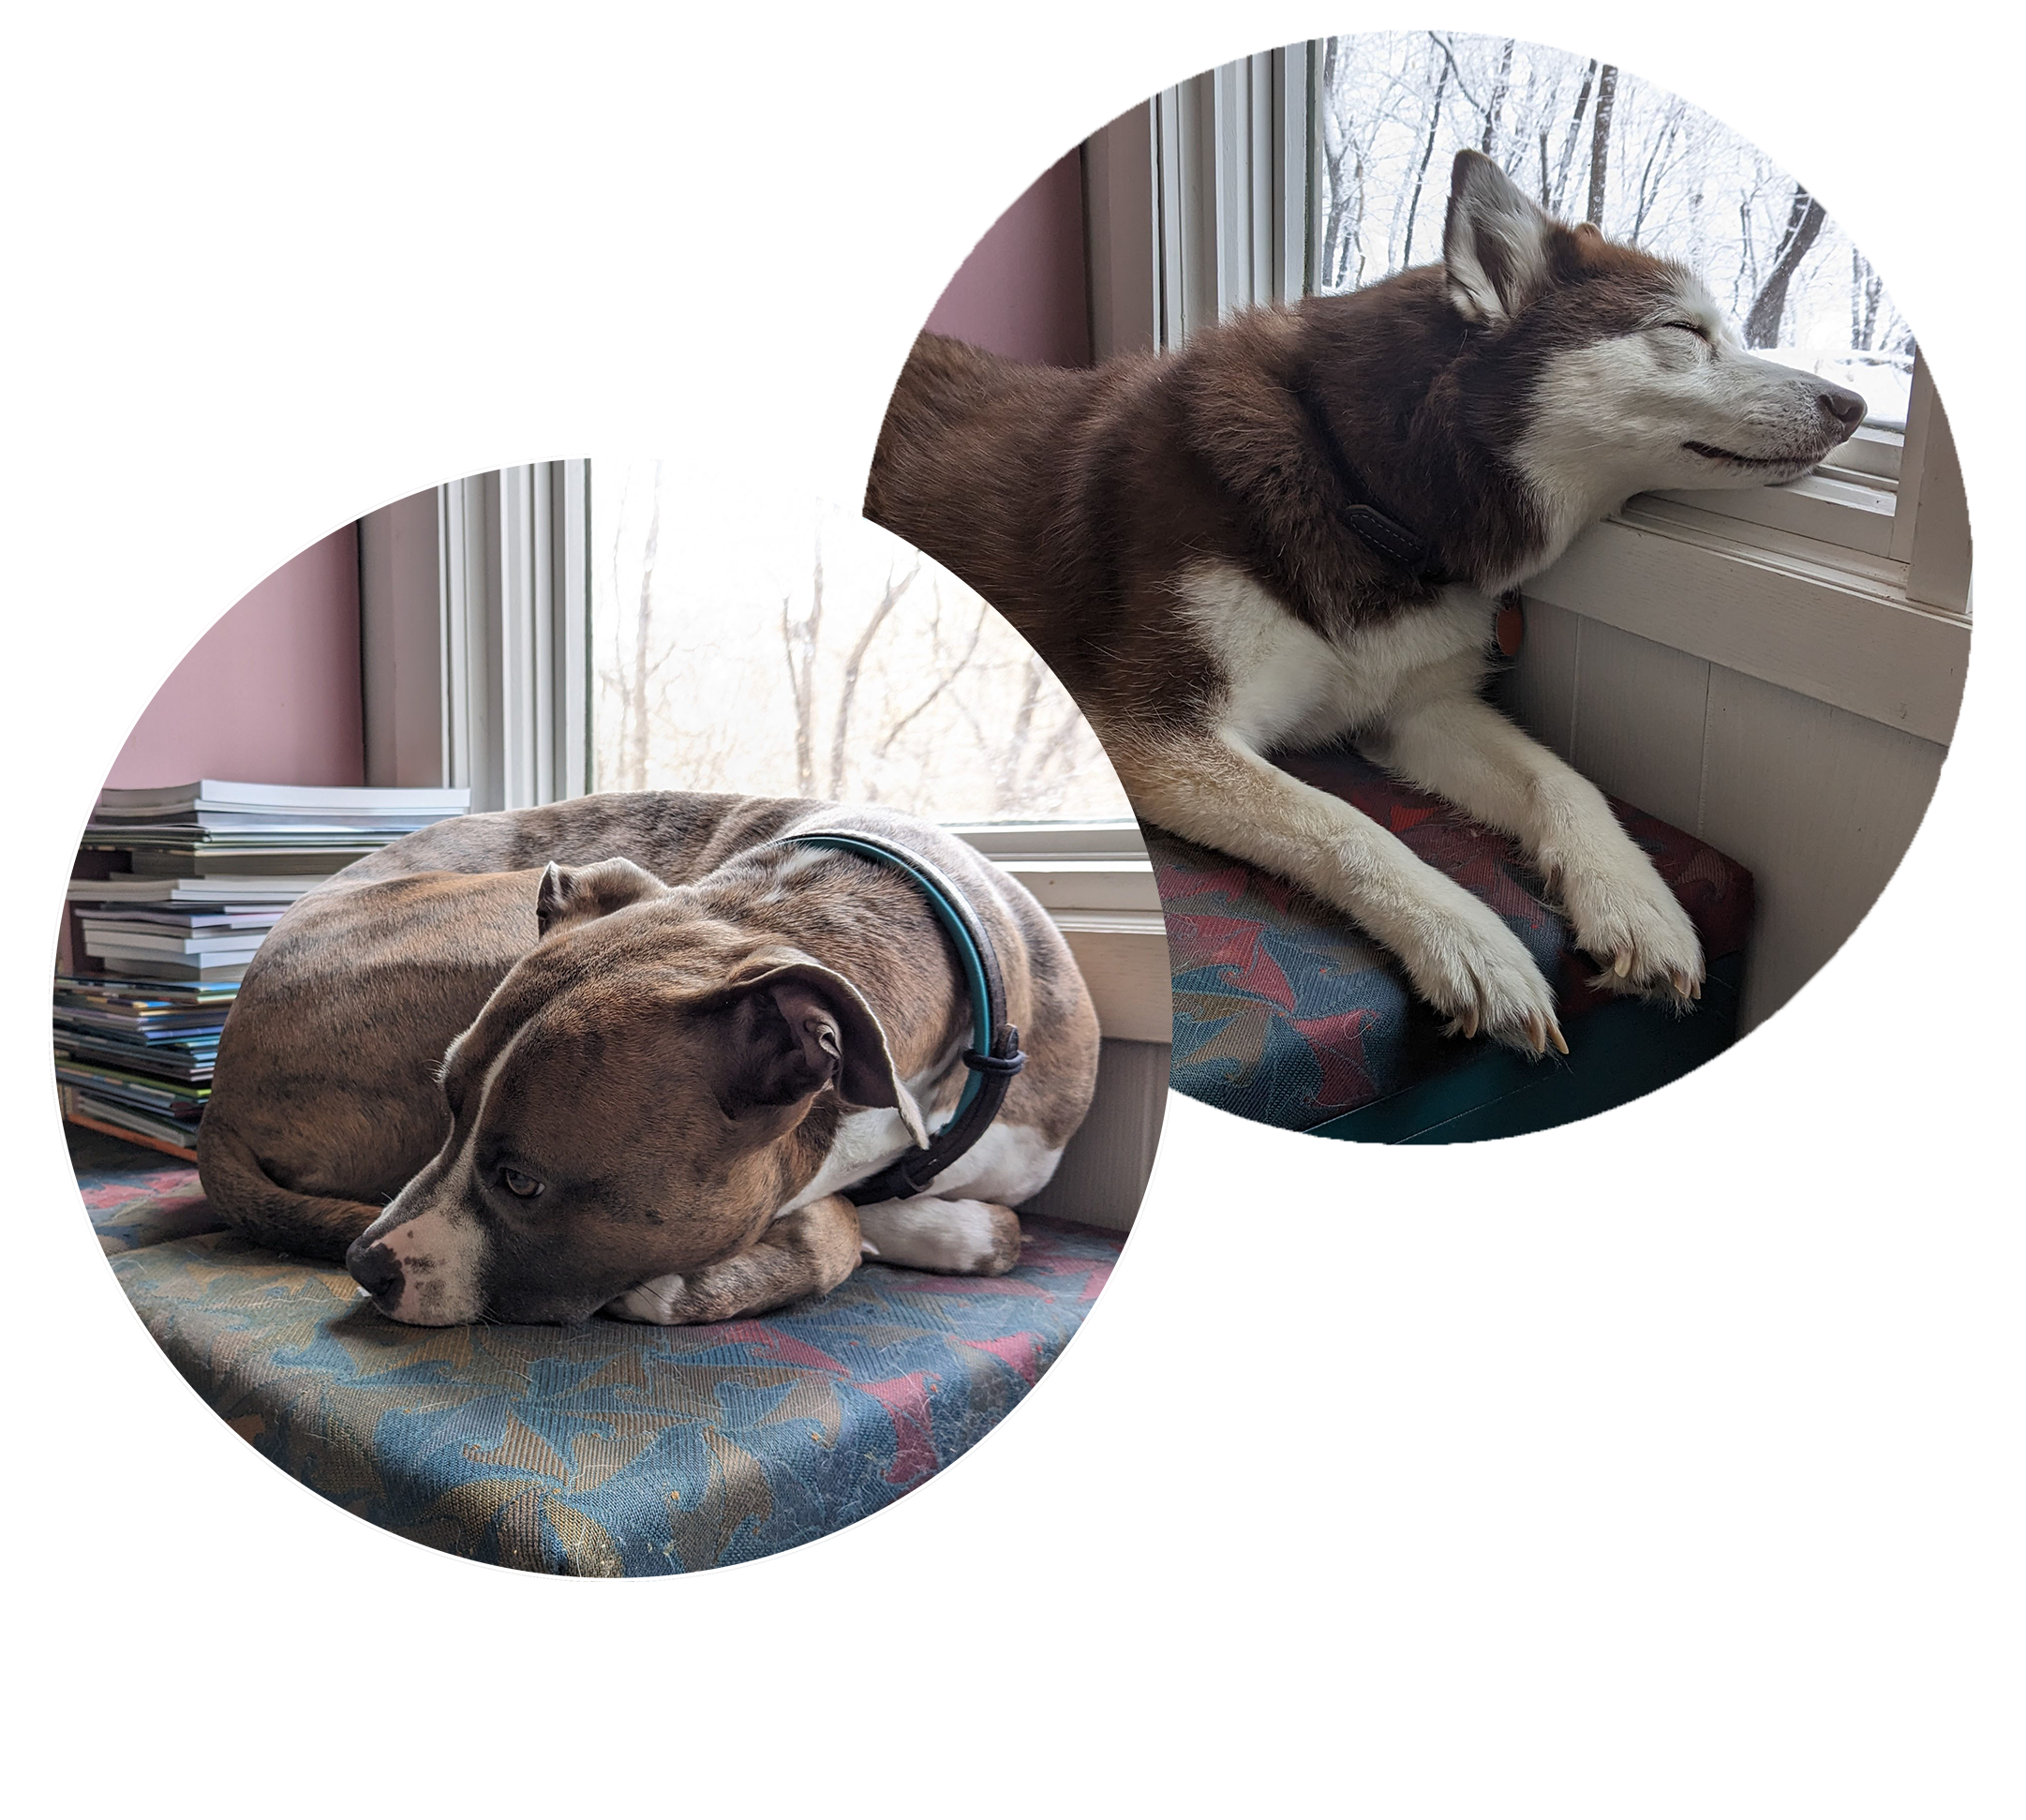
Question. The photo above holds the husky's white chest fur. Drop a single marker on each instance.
(1287, 685)
(1488, 409)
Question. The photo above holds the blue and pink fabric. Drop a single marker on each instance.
(1286, 1014)
(601, 1449)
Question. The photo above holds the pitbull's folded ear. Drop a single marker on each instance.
(573, 895)
(796, 1028)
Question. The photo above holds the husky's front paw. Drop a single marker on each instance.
(1470, 965)
(1623, 913)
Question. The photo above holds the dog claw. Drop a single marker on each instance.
(1622, 964)
(1469, 1022)
(1556, 1036)
(1681, 981)
(1536, 1033)
(1696, 990)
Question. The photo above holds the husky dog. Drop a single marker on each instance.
(1292, 531)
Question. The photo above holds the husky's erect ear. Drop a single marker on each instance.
(1495, 242)
(571, 895)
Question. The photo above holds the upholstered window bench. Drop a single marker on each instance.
(606, 1448)
(1286, 1014)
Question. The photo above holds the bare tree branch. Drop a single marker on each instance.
(1569, 141)
(1648, 188)
(1441, 44)
(800, 641)
(1498, 91)
(1805, 217)
(942, 682)
(1434, 122)
(643, 640)
(1008, 791)
(1607, 89)
(887, 604)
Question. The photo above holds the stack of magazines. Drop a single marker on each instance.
(200, 873)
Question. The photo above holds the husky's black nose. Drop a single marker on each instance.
(1846, 408)
(377, 1270)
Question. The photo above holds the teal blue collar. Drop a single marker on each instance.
(994, 1056)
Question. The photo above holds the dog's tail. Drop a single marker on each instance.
(910, 385)
(251, 1201)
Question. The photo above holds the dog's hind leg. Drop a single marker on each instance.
(253, 1202)
(1214, 788)
(1620, 909)
(807, 1252)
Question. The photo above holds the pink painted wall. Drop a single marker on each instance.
(270, 692)
(971, 189)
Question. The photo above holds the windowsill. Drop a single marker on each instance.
(1097, 884)
(1825, 620)
(1070, 867)
(1844, 509)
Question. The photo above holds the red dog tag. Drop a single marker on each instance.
(1510, 627)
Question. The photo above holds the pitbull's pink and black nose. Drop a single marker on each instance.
(377, 1270)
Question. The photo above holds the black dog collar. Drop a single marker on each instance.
(993, 1058)
(1379, 531)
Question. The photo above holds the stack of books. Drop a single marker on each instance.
(201, 871)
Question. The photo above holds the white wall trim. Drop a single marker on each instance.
(1934, 536)
(1855, 511)
(1097, 884)
(1837, 634)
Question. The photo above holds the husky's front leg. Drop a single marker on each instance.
(1622, 910)
(1463, 960)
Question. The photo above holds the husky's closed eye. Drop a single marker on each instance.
(1288, 532)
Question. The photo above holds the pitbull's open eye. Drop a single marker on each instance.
(523, 1187)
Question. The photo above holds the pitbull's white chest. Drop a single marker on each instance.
(865, 1142)
(1287, 686)
(1006, 1164)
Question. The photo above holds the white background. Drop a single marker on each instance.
(1666, 1465)
(1901, 131)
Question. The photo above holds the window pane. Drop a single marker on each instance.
(1393, 109)
(810, 654)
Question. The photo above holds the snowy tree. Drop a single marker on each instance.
(1395, 108)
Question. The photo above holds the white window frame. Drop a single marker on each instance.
(1097, 884)
(1197, 202)
(475, 637)
(1852, 585)
(1867, 501)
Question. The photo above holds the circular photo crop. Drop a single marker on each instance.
(607, 1038)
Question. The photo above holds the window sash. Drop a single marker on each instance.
(475, 631)
(1196, 155)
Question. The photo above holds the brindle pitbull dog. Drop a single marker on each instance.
(623, 1054)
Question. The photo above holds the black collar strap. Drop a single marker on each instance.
(1379, 531)
(993, 1058)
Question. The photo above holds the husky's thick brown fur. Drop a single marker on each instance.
(1171, 532)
